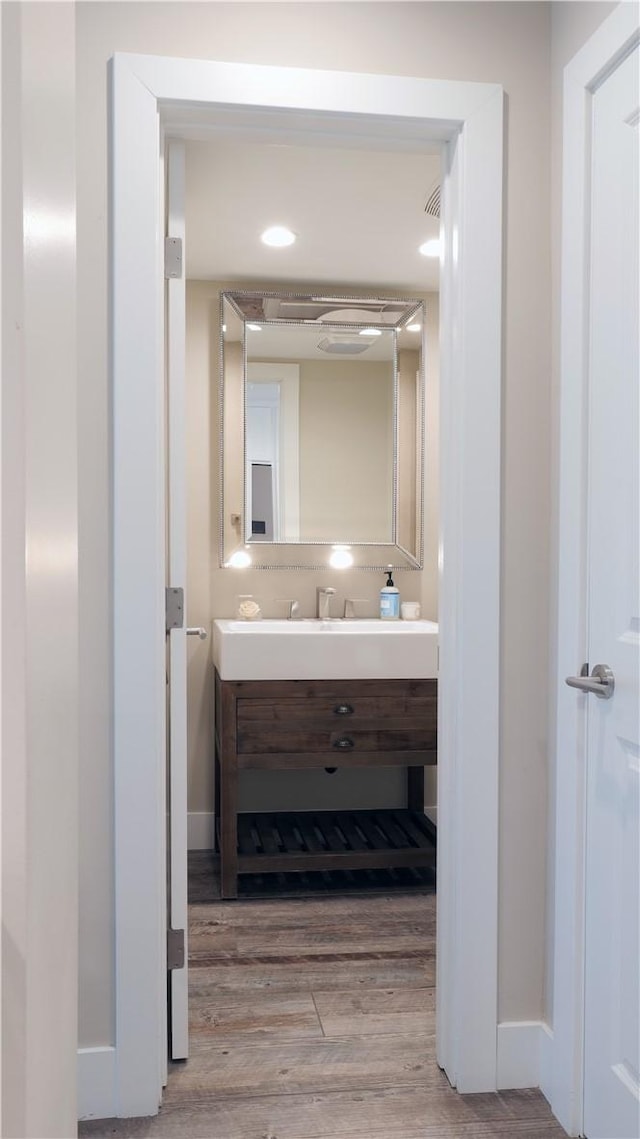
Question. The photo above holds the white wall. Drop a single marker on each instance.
(346, 450)
(507, 43)
(39, 574)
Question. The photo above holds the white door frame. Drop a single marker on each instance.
(590, 67)
(287, 495)
(466, 121)
(176, 556)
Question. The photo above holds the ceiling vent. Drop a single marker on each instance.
(433, 202)
(347, 345)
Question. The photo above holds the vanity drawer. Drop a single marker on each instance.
(341, 741)
(343, 707)
(348, 718)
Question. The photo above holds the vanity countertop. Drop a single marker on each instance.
(356, 649)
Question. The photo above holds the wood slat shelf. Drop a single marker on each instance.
(334, 840)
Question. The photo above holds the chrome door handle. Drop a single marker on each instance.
(601, 682)
(199, 632)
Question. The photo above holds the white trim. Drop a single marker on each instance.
(546, 1060)
(469, 606)
(97, 1083)
(139, 671)
(520, 1048)
(200, 830)
(468, 117)
(603, 51)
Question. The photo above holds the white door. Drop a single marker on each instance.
(177, 647)
(612, 999)
(261, 473)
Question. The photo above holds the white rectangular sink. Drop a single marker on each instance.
(325, 650)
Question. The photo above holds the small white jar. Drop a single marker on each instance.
(410, 610)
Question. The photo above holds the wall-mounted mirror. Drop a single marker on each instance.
(322, 425)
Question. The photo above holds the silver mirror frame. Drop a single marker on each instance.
(314, 555)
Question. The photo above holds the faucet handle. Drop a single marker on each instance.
(294, 607)
(350, 605)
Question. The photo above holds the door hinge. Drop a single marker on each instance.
(174, 608)
(172, 257)
(175, 949)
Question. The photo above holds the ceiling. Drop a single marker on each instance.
(359, 215)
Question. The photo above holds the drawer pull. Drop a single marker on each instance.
(345, 743)
(343, 710)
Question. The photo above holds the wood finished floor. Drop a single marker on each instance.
(313, 1018)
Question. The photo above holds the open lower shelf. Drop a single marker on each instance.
(334, 840)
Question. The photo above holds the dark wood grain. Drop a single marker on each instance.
(320, 840)
(332, 690)
(305, 725)
(356, 757)
(415, 788)
(264, 738)
(346, 706)
(228, 793)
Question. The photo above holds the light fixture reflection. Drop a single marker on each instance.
(413, 327)
(239, 560)
(278, 236)
(370, 332)
(42, 226)
(341, 558)
(430, 248)
(254, 328)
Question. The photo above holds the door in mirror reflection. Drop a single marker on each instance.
(273, 437)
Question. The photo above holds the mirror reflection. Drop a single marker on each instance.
(322, 428)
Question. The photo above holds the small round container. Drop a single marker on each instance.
(410, 610)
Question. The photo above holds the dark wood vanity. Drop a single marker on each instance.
(303, 724)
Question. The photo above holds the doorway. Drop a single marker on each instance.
(417, 113)
(327, 414)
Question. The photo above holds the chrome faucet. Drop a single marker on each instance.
(293, 610)
(324, 593)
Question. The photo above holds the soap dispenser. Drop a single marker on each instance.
(389, 600)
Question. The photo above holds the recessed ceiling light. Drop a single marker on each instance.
(413, 327)
(370, 332)
(278, 236)
(430, 248)
(254, 328)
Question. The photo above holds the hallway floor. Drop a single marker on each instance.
(313, 1018)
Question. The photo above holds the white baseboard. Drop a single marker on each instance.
(96, 1083)
(200, 830)
(546, 1061)
(524, 1054)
